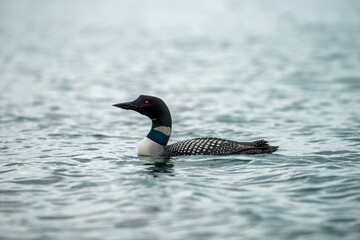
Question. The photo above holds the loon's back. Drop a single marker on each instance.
(217, 146)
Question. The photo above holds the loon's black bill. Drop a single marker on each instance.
(127, 106)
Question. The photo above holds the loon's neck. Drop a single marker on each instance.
(160, 132)
(154, 143)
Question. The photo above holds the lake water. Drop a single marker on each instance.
(285, 71)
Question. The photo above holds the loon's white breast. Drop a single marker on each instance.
(148, 147)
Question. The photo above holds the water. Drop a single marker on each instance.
(284, 71)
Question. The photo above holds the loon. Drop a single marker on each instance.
(155, 143)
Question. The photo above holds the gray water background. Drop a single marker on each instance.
(285, 71)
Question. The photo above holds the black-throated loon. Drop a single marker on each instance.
(155, 143)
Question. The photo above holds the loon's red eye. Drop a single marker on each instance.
(146, 102)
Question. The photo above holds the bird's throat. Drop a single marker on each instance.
(160, 134)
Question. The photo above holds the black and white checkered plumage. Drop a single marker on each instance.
(217, 146)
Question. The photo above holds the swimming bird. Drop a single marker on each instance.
(155, 143)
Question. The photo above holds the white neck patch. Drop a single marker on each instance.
(164, 130)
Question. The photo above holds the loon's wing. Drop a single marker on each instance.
(217, 146)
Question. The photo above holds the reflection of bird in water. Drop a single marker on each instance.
(160, 167)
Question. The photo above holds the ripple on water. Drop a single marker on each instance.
(6, 171)
(82, 159)
(42, 181)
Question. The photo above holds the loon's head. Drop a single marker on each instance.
(150, 106)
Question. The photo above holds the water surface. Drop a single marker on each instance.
(284, 71)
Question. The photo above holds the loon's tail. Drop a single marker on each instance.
(259, 147)
(270, 149)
